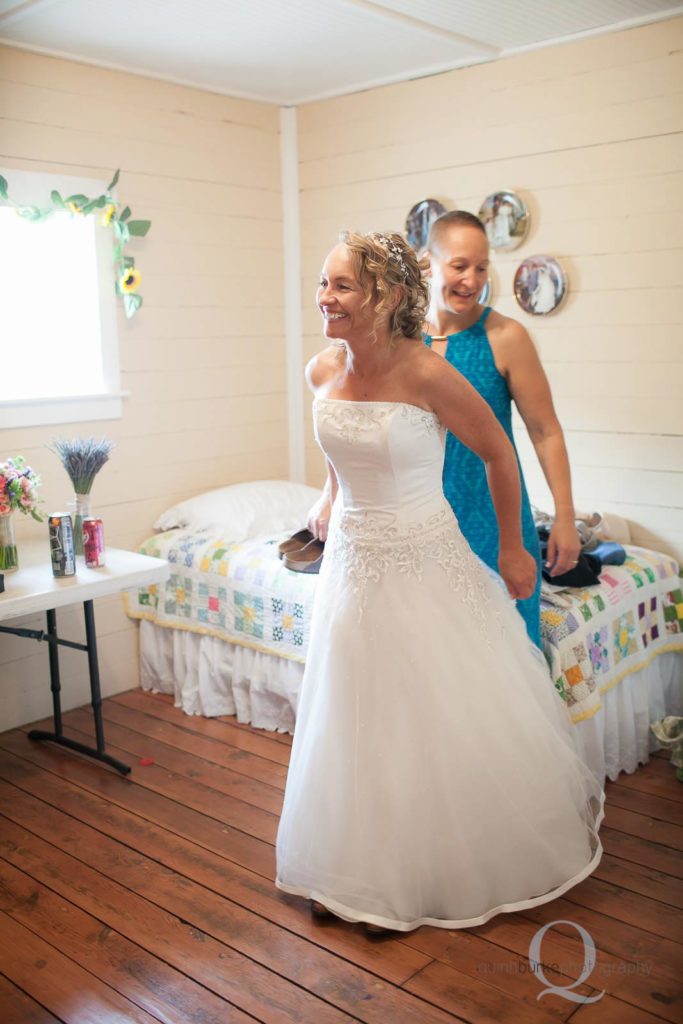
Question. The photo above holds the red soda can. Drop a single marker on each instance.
(93, 542)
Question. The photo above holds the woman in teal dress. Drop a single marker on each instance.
(498, 358)
(464, 478)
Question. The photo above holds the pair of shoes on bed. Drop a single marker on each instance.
(302, 552)
(320, 910)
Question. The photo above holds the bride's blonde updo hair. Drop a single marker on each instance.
(383, 262)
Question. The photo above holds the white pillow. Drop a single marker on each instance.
(242, 511)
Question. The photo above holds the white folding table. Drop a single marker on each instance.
(33, 589)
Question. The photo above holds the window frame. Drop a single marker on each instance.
(33, 188)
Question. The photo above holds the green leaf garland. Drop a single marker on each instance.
(126, 277)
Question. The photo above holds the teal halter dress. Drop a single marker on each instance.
(464, 475)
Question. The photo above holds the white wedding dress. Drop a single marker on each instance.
(433, 776)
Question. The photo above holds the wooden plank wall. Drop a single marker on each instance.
(589, 133)
(204, 360)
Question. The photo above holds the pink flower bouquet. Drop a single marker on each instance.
(18, 493)
(19, 488)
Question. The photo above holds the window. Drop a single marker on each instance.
(58, 335)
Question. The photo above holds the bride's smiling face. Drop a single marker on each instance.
(342, 300)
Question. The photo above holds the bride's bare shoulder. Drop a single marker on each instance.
(421, 369)
(322, 367)
(424, 364)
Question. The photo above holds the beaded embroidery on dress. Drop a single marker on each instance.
(433, 778)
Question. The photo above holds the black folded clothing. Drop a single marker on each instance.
(586, 572)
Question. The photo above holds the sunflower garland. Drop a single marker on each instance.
(107, 216)
(130, 281)
(126, 278)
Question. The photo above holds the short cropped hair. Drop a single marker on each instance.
(452, 219)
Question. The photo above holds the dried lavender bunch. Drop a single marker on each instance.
(82, 458)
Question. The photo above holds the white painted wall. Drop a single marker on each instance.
(204, 360)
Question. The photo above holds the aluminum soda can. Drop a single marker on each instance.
(62, 544)
(93, 542)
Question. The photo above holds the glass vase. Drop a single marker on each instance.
(81, 507)
(9, 558)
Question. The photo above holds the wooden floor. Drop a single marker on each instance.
(151, 898)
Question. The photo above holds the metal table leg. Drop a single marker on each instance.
(90, 647)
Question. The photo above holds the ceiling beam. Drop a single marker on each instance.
(487, 49)
(21, 9)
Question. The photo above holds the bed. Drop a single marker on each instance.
(228, 631)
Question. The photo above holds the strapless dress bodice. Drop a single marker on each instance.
(387, 457)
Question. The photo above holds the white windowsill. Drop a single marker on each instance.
(34, 412)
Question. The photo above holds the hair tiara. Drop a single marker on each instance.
(394, 251)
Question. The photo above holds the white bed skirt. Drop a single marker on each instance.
(208, 676)
(211, 677)
(618, 738)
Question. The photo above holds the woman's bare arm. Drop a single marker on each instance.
(531, 393)
(318, 371)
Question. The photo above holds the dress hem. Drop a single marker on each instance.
(353, 917)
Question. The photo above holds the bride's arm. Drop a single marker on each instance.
(318, 371)
(319, 514)
(465, 413)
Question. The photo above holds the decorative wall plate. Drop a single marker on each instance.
(506, 220)
(420, 220)
(540, 285)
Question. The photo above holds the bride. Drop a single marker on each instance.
(433, 776)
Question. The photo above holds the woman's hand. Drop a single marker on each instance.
(319, 516)
(518, 570)
(564, 547)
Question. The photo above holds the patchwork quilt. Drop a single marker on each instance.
(242, 593)
(238, 592)
(592, 638)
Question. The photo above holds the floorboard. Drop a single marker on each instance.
(18, 1008)
(151, 898)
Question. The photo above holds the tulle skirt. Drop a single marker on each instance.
(434, 778)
